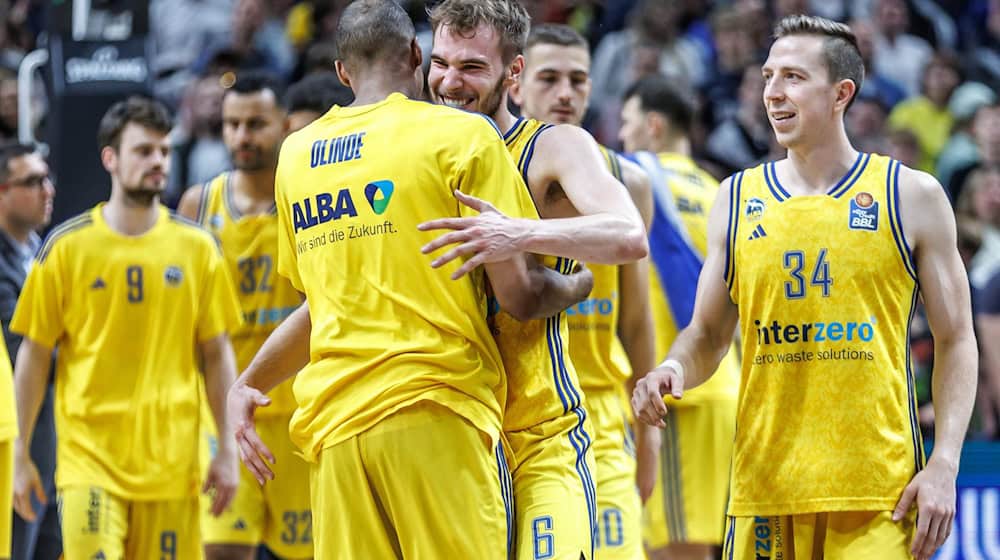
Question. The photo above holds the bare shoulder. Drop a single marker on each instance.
(925, 211)
(190, 202)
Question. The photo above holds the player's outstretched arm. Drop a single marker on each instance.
(700, 347)
(220, 371)
(282, 355)
(609, 230)
(929, 225)
(31, 372)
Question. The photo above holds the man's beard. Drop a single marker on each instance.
(142, 197)
(491, 104)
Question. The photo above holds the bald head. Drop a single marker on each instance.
(372, 31)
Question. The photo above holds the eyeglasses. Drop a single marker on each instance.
(31, 181)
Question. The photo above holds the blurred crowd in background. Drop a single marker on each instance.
(929, 98)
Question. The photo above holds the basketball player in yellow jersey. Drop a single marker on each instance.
(238, 208)
(611, 333)
(128, 294)
(475, 58)
(686, 517)
(822, 257)
(398, 409)
(8, 431)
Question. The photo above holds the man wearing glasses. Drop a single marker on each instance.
(26, 194)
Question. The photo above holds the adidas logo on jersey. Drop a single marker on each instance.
(240, 525)
(758, 232)
(99, 556)
(98, 284)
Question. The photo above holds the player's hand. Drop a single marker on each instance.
(241, 404)
(489, 237)
(647, 399)
(27, 482)
(222, 479)
(647, 459)
(933, 489)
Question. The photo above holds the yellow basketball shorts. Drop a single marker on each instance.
(277, 514)
(831, 536)
(422, 483)
(554, 492)
(6, 495)
(688, 504)
(619, 508)
(97, 524)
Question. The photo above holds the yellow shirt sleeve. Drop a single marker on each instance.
(287, 262)
(222, 312)
(39, 311)
(492, 175)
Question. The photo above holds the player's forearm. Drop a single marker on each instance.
(954, 394)
(602, 238)
(283, 354)
(635, 323)
(220, 372)
(31, 372)
(559, 291)
(700, 350)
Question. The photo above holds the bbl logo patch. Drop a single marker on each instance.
(173, 275)
(864, 213)
(754, 210)
(215, 221)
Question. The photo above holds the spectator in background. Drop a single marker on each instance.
(8, 104)
(927, 115)
(743, 139)
(256, 39)
(905, 147)
(26, 194)
(987, 311)
(986, 132)
(311, 97)
(899, 55)
(980, 200)
(888, 91)
(179, 29)
(651, 43)
(198, 150)
(984, 52)
(734, 51)
(961, 150)
(866, 123)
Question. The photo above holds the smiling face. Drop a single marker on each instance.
(467, 69)
(555, 84)
(801, 101)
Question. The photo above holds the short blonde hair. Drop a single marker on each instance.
(507, 17)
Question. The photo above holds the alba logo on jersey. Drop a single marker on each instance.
(326, 207)
(864, 213)
(754, 210)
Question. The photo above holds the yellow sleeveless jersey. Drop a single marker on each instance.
(826, 287)
(250, 247)
(388, 330)
(672, 288)
(594, 347)
(8, 413)
(126, 314)
(541, 381)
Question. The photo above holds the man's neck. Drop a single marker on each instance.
(129, 218)
(815, 169)
(377, 88)
(679, 145)
(503, 117)
(14, 231)
(253, 190)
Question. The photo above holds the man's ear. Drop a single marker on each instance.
(109, 159)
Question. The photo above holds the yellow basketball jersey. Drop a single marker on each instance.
(8, 413)
(594, 347)
(826, 287)
(387, 329)
(541, 381)
(126, 314)
(672, 289)
(250, 247)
